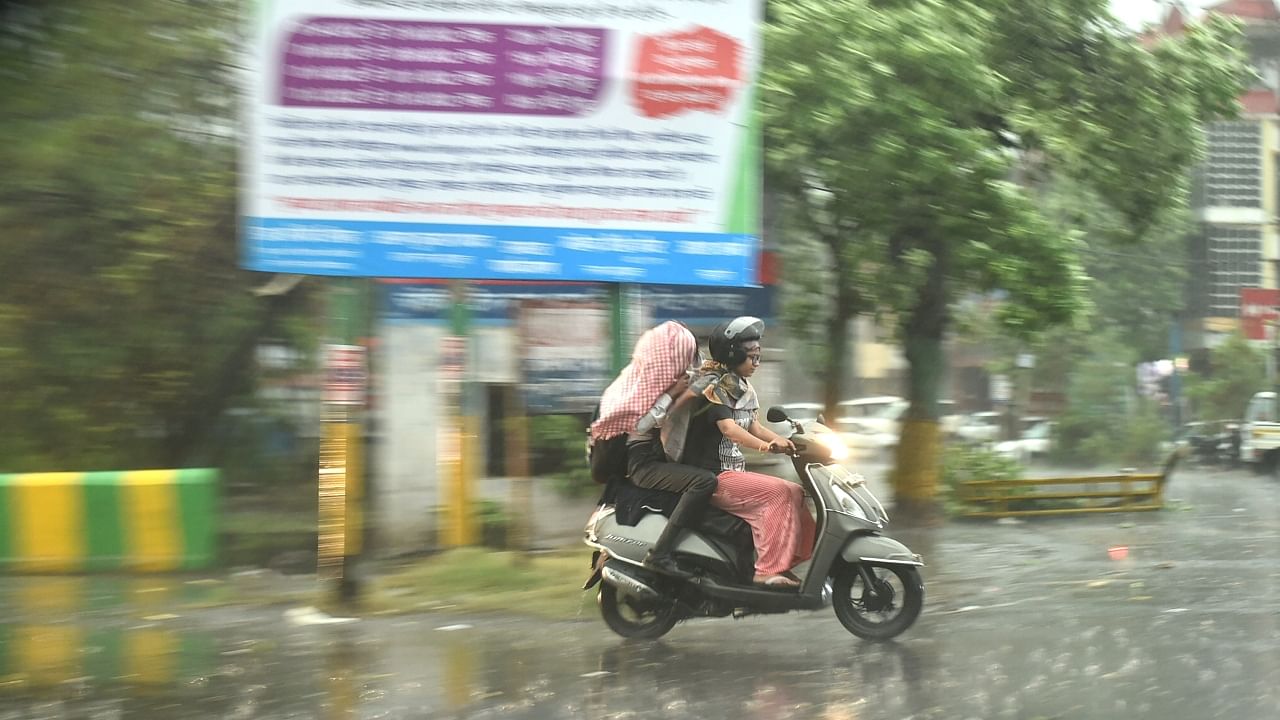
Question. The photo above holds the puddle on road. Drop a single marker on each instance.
(125, 650)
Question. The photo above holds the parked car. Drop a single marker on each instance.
(980, 427)
(876, 423)
(1034, 444)
(800, 412)
(870, 423)
(948, 419)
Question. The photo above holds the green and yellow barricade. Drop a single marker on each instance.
(1071, 495)
(144, 520)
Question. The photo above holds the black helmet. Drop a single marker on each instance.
(727, 339)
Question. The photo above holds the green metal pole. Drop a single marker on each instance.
(618, 325)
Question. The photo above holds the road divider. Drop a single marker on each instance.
(136, 520)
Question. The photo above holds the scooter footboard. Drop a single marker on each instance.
(877, 548)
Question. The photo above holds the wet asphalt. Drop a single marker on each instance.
(1172, 614)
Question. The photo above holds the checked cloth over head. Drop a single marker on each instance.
(662, 355)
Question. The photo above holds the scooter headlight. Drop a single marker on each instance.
(833, 444)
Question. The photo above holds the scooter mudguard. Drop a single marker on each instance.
(877, 548)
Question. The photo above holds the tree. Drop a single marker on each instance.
(916, 137)
(1131, 293)
(125, 324)
(1236, 371)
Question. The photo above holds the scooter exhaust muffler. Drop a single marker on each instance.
(624, 580)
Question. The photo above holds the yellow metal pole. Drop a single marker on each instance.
(458, 430)
(340, 482)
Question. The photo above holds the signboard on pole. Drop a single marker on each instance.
(564, 355)
(569, 140)
(1001, 389)
(1259, 308)
(346, 378)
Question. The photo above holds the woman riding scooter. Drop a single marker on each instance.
(722, 419)
(635, 405)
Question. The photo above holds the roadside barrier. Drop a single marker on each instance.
(140, 520)
(1066, 495)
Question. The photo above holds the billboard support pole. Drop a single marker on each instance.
(618, 325)
(340, 482)
(458, 528)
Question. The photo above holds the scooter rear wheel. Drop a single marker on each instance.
(632, 618)
(881, 611)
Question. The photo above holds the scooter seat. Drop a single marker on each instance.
(632, 503)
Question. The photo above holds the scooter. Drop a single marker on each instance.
(872, 582)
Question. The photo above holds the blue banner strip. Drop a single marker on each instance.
(420, 250)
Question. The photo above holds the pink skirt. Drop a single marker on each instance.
(781, 525)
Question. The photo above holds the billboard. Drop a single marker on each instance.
(1259, 309)
(565, 355)
(552, 140)
(488, 302)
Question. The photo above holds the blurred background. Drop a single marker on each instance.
(1000, 239)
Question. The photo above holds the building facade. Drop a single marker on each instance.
(1236, 190)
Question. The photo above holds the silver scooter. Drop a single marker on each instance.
(872, 582)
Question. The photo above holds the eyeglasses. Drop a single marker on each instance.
(755, 359)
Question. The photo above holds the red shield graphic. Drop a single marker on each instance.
(697, 70)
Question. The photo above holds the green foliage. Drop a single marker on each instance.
(965, 463)
(911, 143)
(494, 523)
(1134, 293)
(1105, 421)
(265, 453)
(126, 327)
(558, 447)
(1236, 371)
(962, 463)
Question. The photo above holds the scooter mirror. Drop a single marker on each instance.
(777, 415)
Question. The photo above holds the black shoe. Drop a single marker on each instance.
(665, 564)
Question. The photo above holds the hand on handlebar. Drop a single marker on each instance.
(782, 446)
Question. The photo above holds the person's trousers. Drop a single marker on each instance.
(648, 467)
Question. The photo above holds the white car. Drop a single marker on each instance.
(876, 423)
(980, 427)
(800, 412)
(1035, 443)
(870, 423)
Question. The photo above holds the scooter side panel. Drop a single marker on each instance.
(878, 547)
(630, 543)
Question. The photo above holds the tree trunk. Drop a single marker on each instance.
(847, 306)
(919, 451)
(837, 357)
(915, 475)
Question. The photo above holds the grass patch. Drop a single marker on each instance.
(547, 585)
(261, 522)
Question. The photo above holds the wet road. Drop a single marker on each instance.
(1042, 619)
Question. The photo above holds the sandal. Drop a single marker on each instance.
(776, 582)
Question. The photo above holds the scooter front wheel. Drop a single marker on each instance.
(882, 610)
(634, 618)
